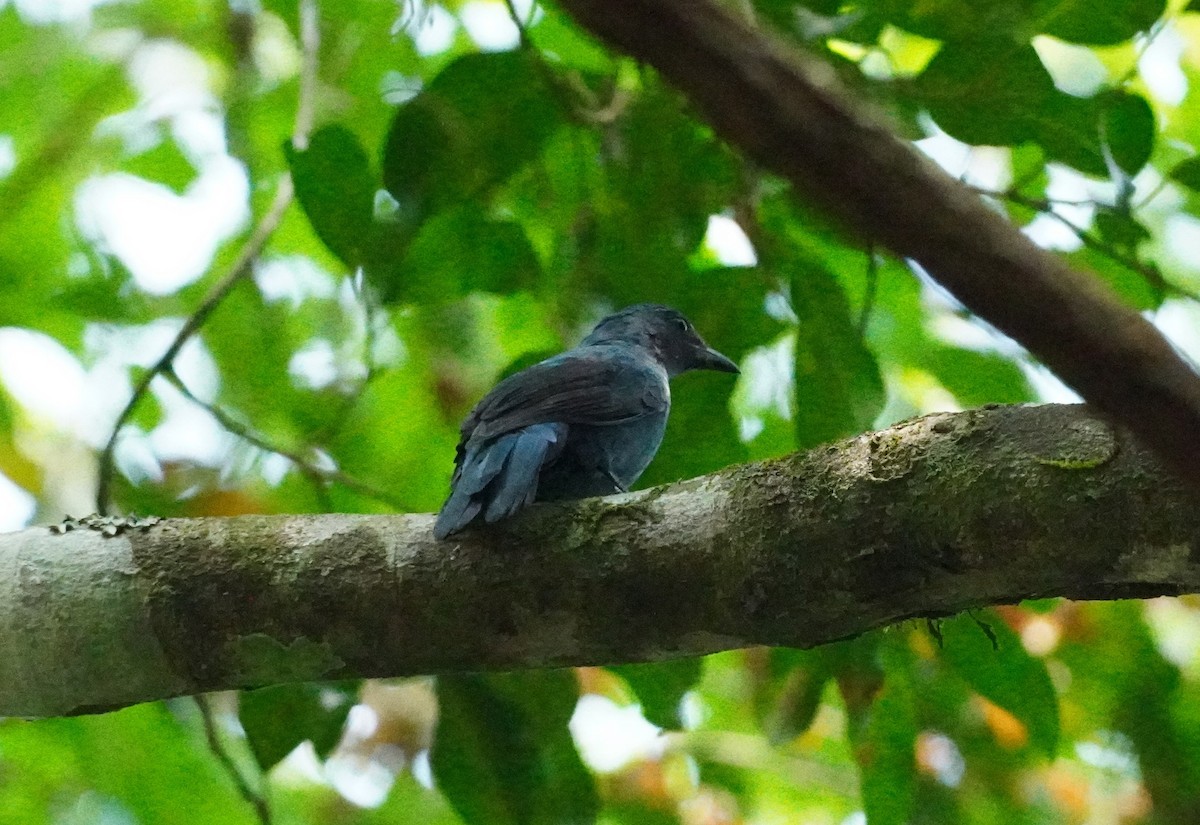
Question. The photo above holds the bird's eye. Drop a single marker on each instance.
(683, 325)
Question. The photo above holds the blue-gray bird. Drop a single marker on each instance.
(583, 423)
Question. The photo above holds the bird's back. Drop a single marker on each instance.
(583, 423)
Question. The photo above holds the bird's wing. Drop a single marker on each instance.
(523, 423)
(573, 388)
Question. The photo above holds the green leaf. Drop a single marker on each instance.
(985, 93)
(1187, 173)
(1100, 24)
(479, 121)
(1016, 21)
(975, 378)
(650, 212)
(701, 435)
(408, 803)
(1005, 674)
(336, 189)
(792, 695)
(143, 761)
(955, 22)
(1121, 229)
(502, 753)
(785, 14)
(883, 731)
(838, 389)
(1129, 129)
(996, 92)
(462, 250)
(149, 412)
(260, 659)
(1068, 129)
(660, 687)
(277, 719)
(104, 296)
(1142, 291)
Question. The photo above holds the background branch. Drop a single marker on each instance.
(790, 113)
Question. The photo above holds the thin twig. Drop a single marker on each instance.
(310, 45)
(519, 23)
(242, 266)
(579, 99)
(305, 466)
(1142, 47)
(257, 799)
(1044, 206)
(239, 269)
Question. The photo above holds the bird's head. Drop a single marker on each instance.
(663, 332)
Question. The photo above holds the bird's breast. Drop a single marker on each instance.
(631, 446)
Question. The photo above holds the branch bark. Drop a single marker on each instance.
(926, 518)
(790, 113)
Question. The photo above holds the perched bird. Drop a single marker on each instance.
(583, 423)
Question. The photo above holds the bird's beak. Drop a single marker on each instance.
(710, 359)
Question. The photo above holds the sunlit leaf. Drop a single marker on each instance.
(143, 759)
(557, 37)
(164, 164)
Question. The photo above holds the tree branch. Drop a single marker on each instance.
(926, 518)
(239, 269)
(307, 466)
(789, 112)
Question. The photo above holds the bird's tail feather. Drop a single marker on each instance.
(516, 485)
(500, 478)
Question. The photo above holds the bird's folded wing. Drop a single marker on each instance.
(572, 389)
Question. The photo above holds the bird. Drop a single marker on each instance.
(583, 423)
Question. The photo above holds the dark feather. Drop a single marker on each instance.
(604, 386)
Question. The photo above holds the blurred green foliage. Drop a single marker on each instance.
(466, 205)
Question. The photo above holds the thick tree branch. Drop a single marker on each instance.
(789, 113)
(926, 518)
